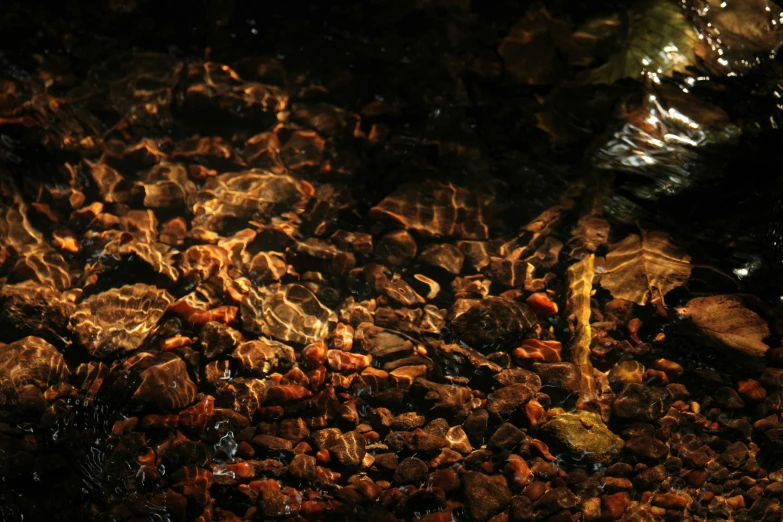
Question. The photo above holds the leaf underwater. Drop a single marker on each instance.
(638, 266)
(659, 38)
(726, 320)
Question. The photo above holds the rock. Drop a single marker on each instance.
(518, 471)
(261, 356)
(484, 496)
(272, 443)
(562, 376)
(445, 256)
(506, 436)
(32, 361)
(672, 501)
(387, 461)
(585, 435)
(396, 248)
(640, 402)
(518, 376)
(410, 470)
(458, 440)
(164, 381)
(521, 508)
(556, 499)
(650, 478)
(493, 324)
(507, 400)
(446, 399)
(613, 506)
(302, 467)
(348, 450)
(287, 313)
(647, 447)
(294, 430)
(218, 339)
(30, 308)
(626, 372)
(118, 320)
(475, 426)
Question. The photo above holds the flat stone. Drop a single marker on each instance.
(585, 435)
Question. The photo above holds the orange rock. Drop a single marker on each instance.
(288, 393)
(518, 471)
(314, 355)
(542, 305)
(752, 389)
(340, 361)
(536, 349)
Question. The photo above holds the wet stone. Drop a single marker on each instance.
(506, 436)
(562, 376)
(508, 400)
(32, 309)
(494, 323)
(484, 496)
(584, 435)
(348, 449)
(640, 402)
(218, 339)
(118, 320)
(302, 467)
(647, 447)
(410, 470)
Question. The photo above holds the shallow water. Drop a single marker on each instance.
(425, 260)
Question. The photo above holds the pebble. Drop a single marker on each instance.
(613, 506)
(348, 450)
(507, 400)
(585, 436)
(484, 495)
(647, 447)
(410, 470)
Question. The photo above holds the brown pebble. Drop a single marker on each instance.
(613, 506)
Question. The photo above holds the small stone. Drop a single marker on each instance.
(387, 461)
(484, 496)
(446, 479)
(670, 501)
(272, 443)
(348, 450)
(294, 430)
(302, 467)
(410, 470)
(447, 457)
(517, 376)
(475, 426)
(562, 376)
(506, 436)
(613, 506)
(521, 508)
(556, 499)
(647, 447)
(458, 440)
(640, 402)
(518, 471)
(509, 399)
(584, 434)
(408, 421)
(650, 478)
(626, 372)
(591, 509)
(493, 323)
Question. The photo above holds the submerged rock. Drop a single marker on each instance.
(493, 324)
(585, 436)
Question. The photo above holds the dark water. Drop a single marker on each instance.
(266, 260)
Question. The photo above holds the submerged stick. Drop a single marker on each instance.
(580, 285)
